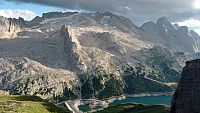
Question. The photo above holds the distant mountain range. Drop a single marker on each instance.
(62, 56)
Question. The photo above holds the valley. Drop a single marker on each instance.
(61, 57)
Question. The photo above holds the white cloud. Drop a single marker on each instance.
(196, 4)
(16, 13)
(197, 30)
(190, 23)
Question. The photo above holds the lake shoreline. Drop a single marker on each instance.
(106, 102)
(150, 94)
(121, 97)
(147, 99)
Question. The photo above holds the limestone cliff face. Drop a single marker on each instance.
(186, 98)
(9, 26)
(72, 47)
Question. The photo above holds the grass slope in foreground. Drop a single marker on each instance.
(136, 108)
(27, 104)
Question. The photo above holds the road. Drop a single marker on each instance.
(73, 106)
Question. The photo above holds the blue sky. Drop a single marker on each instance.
(38, 9)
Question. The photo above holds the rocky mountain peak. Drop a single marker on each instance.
(106, 13)
(195, 36)
(151, 23)
(163, 23)
(186, 97)
(163, 20)
(148, 26)
(183, 30)
(193, 33)
(176, 26)
(64, 30)
(170, 36)
(67, 33)
(36, 21)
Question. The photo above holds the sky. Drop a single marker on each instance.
(183, 12)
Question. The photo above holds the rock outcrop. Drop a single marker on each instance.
(186, 98)
(9, 26)
(27, 77)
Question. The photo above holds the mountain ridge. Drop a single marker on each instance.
(107, 55)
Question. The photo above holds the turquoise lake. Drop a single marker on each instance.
(149, 100)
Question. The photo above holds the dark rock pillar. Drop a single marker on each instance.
(186, 98)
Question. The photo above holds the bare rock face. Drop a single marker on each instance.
(27, 77)
(186, 98)
(9, 26)
(57, 14)
(170, 36)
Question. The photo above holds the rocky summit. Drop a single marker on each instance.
(62, 56)
(186, 97)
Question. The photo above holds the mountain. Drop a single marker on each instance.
(173, 37)
(9, 26)
(62, 56)
(186, 98)
(27, 77)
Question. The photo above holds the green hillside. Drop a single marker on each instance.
(136, 108)
(27, 104)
